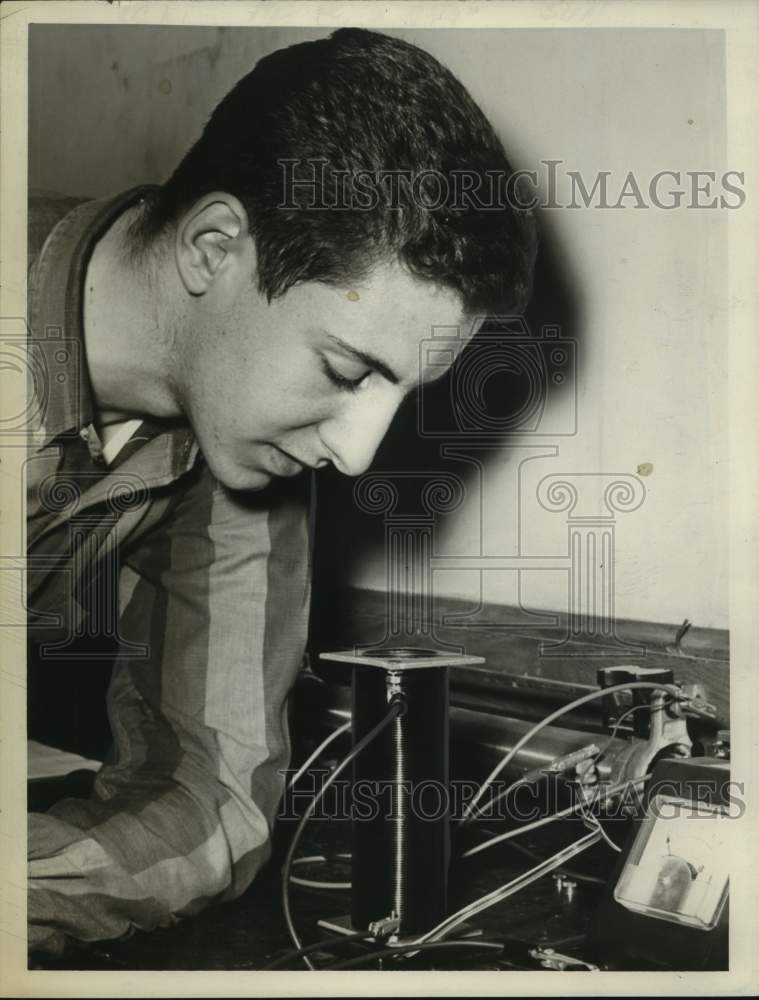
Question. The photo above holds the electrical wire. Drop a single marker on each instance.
(524, 780)
(615, 728)
(569, 872)
(314, 883)
(397, 708)
(515, 885)
(325, 943)
(623, 716)
(308, 883)
(470, 813)
(561, 814)
(529, 778)
(595, 824)
(395, 952)
(317, 753)
(556, 942)
(593, 820)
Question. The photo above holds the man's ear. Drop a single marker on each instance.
(209, 234)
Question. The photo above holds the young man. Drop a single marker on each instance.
(215, 339)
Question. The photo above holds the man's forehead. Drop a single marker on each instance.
(409, 307)
(393, 285)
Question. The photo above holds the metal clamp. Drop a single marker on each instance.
(693, 703)
(549, 958)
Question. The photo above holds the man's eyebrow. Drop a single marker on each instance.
(368, 359)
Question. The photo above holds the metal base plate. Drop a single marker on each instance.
(402, 658)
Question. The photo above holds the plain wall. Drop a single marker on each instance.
(646, 299)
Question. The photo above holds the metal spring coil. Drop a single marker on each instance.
(401, 823)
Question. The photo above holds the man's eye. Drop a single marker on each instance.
(342, 381)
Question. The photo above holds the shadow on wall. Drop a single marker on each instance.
(509, 396)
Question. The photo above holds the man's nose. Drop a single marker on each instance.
(353, 435)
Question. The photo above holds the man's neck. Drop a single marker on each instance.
(125, 332)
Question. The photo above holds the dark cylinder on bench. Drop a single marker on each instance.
(401, 795)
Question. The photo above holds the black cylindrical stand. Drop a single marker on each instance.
(401, 836)
(401, 795)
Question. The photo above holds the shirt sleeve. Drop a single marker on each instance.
(217, 602)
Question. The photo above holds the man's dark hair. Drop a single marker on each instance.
(364, 104)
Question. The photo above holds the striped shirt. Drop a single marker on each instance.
(201, 594)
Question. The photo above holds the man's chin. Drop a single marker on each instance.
(239, 477)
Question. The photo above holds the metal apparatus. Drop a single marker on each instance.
(485, 735)
(659, 733)
(401, 831)
(402, 796)
(667, 900)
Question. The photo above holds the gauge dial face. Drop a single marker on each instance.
(678, 867)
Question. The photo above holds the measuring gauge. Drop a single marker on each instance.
(667, 902)
(677, 869)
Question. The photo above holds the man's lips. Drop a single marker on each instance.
(284, 463)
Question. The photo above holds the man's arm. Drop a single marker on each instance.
(181, 817)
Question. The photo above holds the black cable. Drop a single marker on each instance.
(397, 708)
(325, 943)
(351, 963)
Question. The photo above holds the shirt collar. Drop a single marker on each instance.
(56, 312)
(56, 316)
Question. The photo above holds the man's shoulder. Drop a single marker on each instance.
(46, 209)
